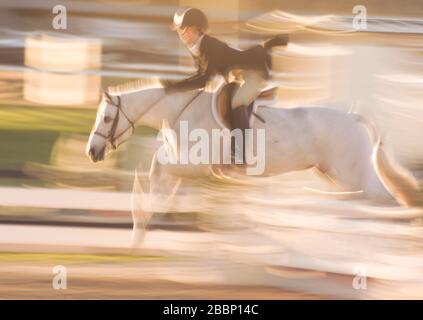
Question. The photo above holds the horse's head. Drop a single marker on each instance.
(110, 129)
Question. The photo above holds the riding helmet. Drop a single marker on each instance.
(186, 17)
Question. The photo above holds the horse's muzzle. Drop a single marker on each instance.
(96, 156)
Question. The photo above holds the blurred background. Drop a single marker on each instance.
(55, 205)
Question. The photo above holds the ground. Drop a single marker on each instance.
(29, 276)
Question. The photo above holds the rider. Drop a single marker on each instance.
(212, 56)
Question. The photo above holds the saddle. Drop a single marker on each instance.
(223, 105)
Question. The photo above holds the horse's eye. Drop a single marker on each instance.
(107, 119)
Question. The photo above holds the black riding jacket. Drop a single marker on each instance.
(216, 57)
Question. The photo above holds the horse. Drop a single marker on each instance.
(344, 148)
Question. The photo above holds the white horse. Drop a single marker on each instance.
(338, 145)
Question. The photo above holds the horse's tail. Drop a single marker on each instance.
(279, 40)
(400, 183)
(371, 127)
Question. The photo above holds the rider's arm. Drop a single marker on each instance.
(196, 81)
(205, 66)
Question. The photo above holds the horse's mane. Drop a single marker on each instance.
(140, 84)
(135, 85)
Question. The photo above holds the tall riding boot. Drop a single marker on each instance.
(240, 121)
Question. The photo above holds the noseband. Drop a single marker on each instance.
(111, 137)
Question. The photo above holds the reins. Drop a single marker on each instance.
(188, 103)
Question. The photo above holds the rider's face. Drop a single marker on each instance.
(188, 35)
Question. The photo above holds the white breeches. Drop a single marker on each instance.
(253, 84)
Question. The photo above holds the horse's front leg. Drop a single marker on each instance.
(162, 187)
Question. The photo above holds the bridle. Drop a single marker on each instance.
(111, 136)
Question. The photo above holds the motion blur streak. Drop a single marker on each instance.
(279, 237)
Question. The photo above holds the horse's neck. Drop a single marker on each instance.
(150, 107)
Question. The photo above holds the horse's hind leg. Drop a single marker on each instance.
(374, 189)
(323, 175)
(362, 180)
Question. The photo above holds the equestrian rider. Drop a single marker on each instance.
(212, 56)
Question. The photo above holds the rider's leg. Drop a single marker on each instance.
(254, 82)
